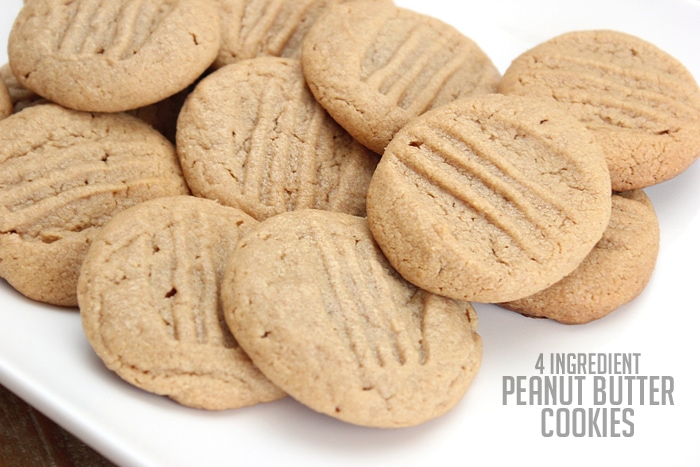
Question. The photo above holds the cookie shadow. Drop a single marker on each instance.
(329, 438)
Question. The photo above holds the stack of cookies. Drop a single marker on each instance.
(250, 199)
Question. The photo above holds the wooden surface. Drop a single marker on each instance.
(28, 438)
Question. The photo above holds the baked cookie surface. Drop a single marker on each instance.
(20, 96)
(258, 28)
(150, 308)
(313, 301)
(614, 273)
(642, 104)
(63, 175)
(6, 106)
(252, 136)
(489, 197)
(116, 55)
(374, 66)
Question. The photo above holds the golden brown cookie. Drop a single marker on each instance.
(642, 104)
(252, 136)
(258, 28)
(375, 66)
(63, 175)
(312, 300)
(614, 273)
(489, 197)
(150, 308)
(115, 55)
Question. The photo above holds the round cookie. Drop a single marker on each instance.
(614, 273)
(312, 300)
(489, 197)
(150, 308)
(257, 28)
(112, 56)
(6, 106)
(252, 136)
(63, 175)
(642, 104)
(375, 66)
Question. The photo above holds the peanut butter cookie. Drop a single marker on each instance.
(150, 308)
(116, 55)
(375, 66)
(642, 105)
(313, 301)
(63, 175)
(614, 273)
(252, 136)
(490, 197)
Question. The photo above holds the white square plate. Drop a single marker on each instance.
(45, 358)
